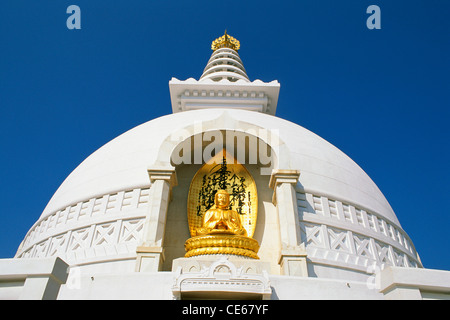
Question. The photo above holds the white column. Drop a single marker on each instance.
(150, 254)
(293, 255)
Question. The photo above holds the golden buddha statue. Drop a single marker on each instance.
(221, 220)
(224, 228)
(221, 232)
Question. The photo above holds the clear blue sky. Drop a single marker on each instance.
(381, 96)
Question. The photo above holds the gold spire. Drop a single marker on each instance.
(225, 41)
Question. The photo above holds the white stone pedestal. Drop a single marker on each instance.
(220, 277)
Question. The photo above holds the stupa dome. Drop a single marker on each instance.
(98, 212)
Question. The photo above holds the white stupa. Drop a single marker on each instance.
(116, 228)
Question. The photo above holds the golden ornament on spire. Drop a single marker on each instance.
(225, 41)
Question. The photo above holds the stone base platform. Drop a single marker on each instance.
(218, 276)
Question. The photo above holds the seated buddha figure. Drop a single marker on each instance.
(221, 219)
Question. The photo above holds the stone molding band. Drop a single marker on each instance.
(222, 244)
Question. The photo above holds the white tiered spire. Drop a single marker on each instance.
(224, 84)
(225, 62)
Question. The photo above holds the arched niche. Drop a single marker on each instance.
(189, 155)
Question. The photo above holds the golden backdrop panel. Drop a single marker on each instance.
(223, 172)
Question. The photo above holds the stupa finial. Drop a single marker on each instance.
(225, 41)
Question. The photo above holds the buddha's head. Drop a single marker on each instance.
(222, 199)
